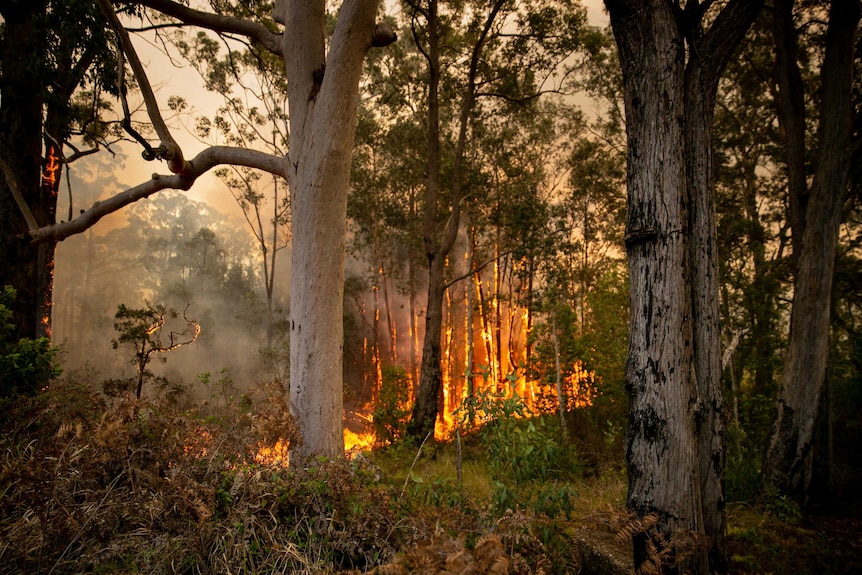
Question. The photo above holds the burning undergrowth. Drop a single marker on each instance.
(100, 485)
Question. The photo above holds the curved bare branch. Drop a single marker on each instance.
(198, 166)
(219, 23)
(171, 151)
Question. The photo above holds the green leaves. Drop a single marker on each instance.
(26, 366)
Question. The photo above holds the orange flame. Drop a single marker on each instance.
(358, 441)
(52, 165)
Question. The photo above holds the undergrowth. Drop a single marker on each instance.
(96, 482)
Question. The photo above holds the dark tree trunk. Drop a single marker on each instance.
(26, 267)
(428, 394)
(702, 76)
(788, 463)
(675, 448)
(791, 117)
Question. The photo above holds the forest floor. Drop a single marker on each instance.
(90, 484)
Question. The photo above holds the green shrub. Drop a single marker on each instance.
(26, 365)
(391, 412)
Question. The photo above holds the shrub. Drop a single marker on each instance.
(26, 365)
(391, 412)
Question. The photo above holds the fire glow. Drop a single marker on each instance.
(52, 165)
(278, 455)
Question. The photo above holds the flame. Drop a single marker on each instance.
(358, 441)
(52, 165)
(277, 455)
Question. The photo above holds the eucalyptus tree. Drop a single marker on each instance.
(56, 70)
(323, 64)
(672, 56)
(816, 212)
(475, 55)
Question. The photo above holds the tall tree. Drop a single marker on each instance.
(323, 73)
(510, 52)
(672, 57)
(816, 216)
(48, 51)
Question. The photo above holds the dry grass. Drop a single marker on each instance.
(90, 485)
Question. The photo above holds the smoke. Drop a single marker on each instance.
(171, 250)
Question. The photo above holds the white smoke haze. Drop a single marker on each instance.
(169, 250)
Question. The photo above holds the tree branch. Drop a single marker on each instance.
(16, 193)
(219, 23)
(199, 165)
(477, 269)
(170, 150)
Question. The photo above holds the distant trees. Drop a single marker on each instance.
(509, 56)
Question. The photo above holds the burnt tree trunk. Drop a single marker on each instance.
(675, 448)
(24, 266)
(788, 463)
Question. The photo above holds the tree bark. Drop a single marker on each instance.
(703, 72)
(662, 448)
(428, 394)
(791, 117)
(323, 95)
(675, 451)
(788, 463)
(24, 266)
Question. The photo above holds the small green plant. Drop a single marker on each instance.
(143, 329)
(391, 412)
(221, 389)
(26, 365)
(785, 509)
(520, 446)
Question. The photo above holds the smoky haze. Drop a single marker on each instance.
(166, 250)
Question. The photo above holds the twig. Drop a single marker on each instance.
(415, 459)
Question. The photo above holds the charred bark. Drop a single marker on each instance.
(24, 266)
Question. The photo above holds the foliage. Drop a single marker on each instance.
(391, 411)
(26, 366)
(142, 328)
(524, 453)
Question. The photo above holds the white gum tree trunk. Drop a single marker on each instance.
(323, 95)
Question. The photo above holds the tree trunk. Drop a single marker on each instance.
(791, 117)
(424, 414)
(788, 463)
(323, 98)
(662, 443)
(675, 451)
(25, 266)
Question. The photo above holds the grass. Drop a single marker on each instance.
(101, 485)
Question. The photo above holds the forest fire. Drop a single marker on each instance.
(52, 165)
(358, 441)
(279, 454)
